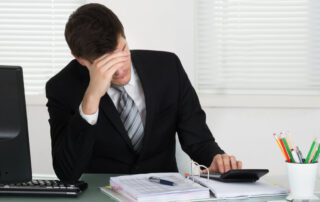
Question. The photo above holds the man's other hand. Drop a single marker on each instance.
(223, 162)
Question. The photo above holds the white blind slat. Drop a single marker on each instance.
(32, 36)
(257, 47)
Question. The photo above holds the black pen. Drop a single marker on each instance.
(161, 181)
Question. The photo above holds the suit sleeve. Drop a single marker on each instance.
(194, 135)
(72, 137)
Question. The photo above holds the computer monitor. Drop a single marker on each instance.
(15, 163)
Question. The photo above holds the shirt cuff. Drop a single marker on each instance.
(91, 118)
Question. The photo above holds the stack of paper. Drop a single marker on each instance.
(236, 190)
(139, 188)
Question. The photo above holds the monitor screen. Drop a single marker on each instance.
(15, 163)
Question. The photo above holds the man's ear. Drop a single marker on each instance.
(83, 62)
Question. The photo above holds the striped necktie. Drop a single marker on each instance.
(130, 117)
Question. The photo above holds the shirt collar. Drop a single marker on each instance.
(132, 82)
(133, 79)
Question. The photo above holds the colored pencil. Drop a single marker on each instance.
(310, 150)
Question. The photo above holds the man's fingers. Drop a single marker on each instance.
(233, 162)
(108, 57)
(108, 65)
(218, 163)
(112, 70)
(239, 164)
(226, 162)
(111, 55)
(223, 163)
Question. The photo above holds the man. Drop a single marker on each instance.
(117, 111)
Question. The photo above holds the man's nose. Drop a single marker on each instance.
(119, 71)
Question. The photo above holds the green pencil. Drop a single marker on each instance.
(310, 151)
(288, 149)
(315, 158)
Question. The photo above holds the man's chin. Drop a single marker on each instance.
(121, 82)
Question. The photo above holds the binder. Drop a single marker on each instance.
(139, 188)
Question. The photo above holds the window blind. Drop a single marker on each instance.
(32, 36)
(257, 47)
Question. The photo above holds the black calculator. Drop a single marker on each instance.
(238, 175)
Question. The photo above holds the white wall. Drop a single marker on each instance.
(161, 25)
(39, 137)
(244, 132)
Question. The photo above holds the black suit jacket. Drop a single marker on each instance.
(172, 106)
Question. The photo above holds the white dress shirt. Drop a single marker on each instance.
(134, 90)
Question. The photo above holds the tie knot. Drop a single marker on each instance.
(119, 88)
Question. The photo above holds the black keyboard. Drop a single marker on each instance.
(43, 188)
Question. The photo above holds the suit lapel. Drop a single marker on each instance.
(142, 71)
(110, 111)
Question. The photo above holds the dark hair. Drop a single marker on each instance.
(93, 30)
